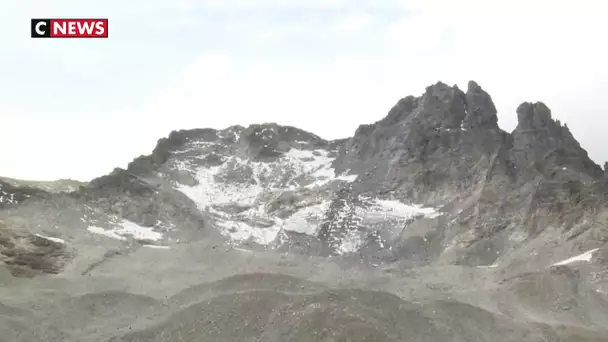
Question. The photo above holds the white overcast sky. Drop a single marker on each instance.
(76, 109)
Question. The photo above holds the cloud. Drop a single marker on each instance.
(354, 22)
(259, 4)
(221, 90)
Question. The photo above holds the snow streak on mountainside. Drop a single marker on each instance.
(125, 227)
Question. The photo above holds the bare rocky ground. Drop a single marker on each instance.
(429, 225)
(196, 292)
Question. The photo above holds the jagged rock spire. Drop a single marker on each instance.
(539, 138)
(481, 111)
(442, 106)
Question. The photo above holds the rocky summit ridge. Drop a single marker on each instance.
(426, 216)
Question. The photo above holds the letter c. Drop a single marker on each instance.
(40, 32)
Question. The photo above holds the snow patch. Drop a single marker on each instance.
(54, 239)
(306, 220)
(137, 231)
(347, 178)
(278, 175)
(240, 231)
(127, 228)
(383, 209)
(157, 247)
(209, 191)
(107, 233)
(350, 243)
(581, 257)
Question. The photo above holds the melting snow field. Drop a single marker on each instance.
(127, 228)
(304, 221)
(311, 169)
(581, 257)
(307, 221)
(266, 176)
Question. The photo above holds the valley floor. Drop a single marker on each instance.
(207, 291)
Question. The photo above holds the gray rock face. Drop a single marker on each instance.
(429, 224)
(12, 195)
(268, 141)
(481, 112)
(440, 142)
(539, 139)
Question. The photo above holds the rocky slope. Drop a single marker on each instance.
(432, 224)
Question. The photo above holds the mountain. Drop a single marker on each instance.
(61, 185)
(432, 224)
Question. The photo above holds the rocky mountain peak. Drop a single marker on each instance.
(271, 140)
(258, 141)
(533, 116)
(441, 106)
(536, 119)
(177, 140)
(481, 112)
(540, 138)
(426, 145)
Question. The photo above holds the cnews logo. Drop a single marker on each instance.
(69, 28)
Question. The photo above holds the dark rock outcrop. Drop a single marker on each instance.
(481, 112)
(540, 140)
(269, 141)
(11, 194)
(164, 147)
(445, 147)
(28, 255)
(129, 196)
(430, 146)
